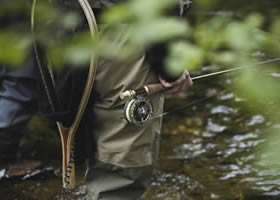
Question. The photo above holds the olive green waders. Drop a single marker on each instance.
(125, 153)
(108, 182)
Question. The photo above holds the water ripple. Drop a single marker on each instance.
(226, 96)
(222, 109)
(256, 119)
(213, 127)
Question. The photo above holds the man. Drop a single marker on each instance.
(122, 166)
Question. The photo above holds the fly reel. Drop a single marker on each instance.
(138, 110)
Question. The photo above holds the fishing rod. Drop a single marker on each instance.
(138, 110)
(154, 88)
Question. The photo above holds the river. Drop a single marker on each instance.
(210, 149)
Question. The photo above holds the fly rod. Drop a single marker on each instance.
(157, 87)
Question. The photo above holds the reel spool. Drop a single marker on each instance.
(138, 110)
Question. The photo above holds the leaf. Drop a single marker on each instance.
(183, 56)
(14, 48)
(136, 10)
(210, 35)
(161, 29)
(246, 36)
(227, 58)
(258, 87)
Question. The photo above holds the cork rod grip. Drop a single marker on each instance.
(148, 89)
(154, 88)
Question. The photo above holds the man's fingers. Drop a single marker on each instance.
(185, 77)
(164, 83)
(188, 79)
(178, 88)
(182, 83)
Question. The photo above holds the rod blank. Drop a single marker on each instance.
(154, 88)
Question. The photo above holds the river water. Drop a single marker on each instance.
(209, 149)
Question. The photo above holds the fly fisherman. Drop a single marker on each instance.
(22, 93)
(122, 166)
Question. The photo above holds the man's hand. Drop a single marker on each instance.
(182, 83)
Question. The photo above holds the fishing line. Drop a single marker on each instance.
(155, 88)
(212, 95)
(184, 106)
(236, 69)
(138, 110)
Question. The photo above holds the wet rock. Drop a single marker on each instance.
(19, 168)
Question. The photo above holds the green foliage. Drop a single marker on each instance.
(135, 10)
(13, 48)
(209, 35)
(140, 24)
(162, 29)
(272, 43)
(206, 5)
(15, 8)
(182, 53)
(256, 85)
(220, 40)
(227, 42)
(246, 36)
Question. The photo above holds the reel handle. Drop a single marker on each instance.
(147, 89)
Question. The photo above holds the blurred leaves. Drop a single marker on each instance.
(137, 11)
(261, 88)
(127, 29)
(220, 40)
(210, 34)
(247, 36)
(13, 48)
(182, 56)
(162, 29)
(18, 7)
